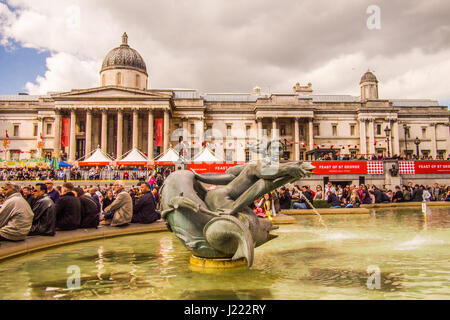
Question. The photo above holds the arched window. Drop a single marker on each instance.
(118, 78)
(137, 81)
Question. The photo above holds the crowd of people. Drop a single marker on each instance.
(75, 173)
(43, 208)
(350, 196)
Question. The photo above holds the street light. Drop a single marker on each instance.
(388, 134)
(406, 128)
(417, 142)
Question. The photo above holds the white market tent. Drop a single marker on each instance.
(169, 158)
(97, 158)
(133, 157)
(206, 156)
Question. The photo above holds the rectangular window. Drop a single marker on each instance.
(35, 130)
(228, 130)
(352, 130)
(192, 128)
(229, 155)
(16, 130)
(283, 130)
(424, 133)
(247, 155)
(334, 127)
(316, 130)
(49, 129)
(208, 133)
(247, 131)
(302, 131)
(378, 129)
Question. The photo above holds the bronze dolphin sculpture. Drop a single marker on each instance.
(210, 213)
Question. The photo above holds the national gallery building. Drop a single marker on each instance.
(122, 113)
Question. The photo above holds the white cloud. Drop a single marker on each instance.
(223, 46)
(65, 72)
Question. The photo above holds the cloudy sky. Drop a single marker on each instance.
(231, 46)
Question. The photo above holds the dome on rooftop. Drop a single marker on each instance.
(124, 57)
(368, 77)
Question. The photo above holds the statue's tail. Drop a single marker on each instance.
(229, 235)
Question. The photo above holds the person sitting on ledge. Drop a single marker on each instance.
(418, 193)
(44, 221)
(120, 212)
(52, 192)
(267, 206)
(355, 200)
(398, 196)
(285, 198)
(68, 209)
(16, 216)
(144, 211)
(302, 204)
(28, 195)
(89, 209)
(333, 200)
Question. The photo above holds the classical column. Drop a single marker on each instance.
(275, 134)
(126, 127)
(72, 138)
(166, 130)
(310, 133)
(88, 145)
(371, 137)
(104, 141)
(57, 135)
(151, 130)
(259, 128)
(185, 129)
(135, 129)
(119, 134)
(200, 132)
(296, 140)
(362, 136)
(395, 138)
(259, 135)
(433, 140)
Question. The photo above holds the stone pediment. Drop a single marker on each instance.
(113, 92)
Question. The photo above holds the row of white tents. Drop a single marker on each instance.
(135, 157)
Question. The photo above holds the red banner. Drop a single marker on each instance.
(423, 167)
(210, 167)
(65, 131)
(159, 132)
(348, 167)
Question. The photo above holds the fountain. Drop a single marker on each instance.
(217, 223)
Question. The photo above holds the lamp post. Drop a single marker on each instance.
(417, 142)
(388, 134)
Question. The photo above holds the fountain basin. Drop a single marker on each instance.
(303, 262)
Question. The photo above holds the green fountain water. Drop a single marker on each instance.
(304, 262)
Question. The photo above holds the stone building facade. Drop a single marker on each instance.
(121, 114)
